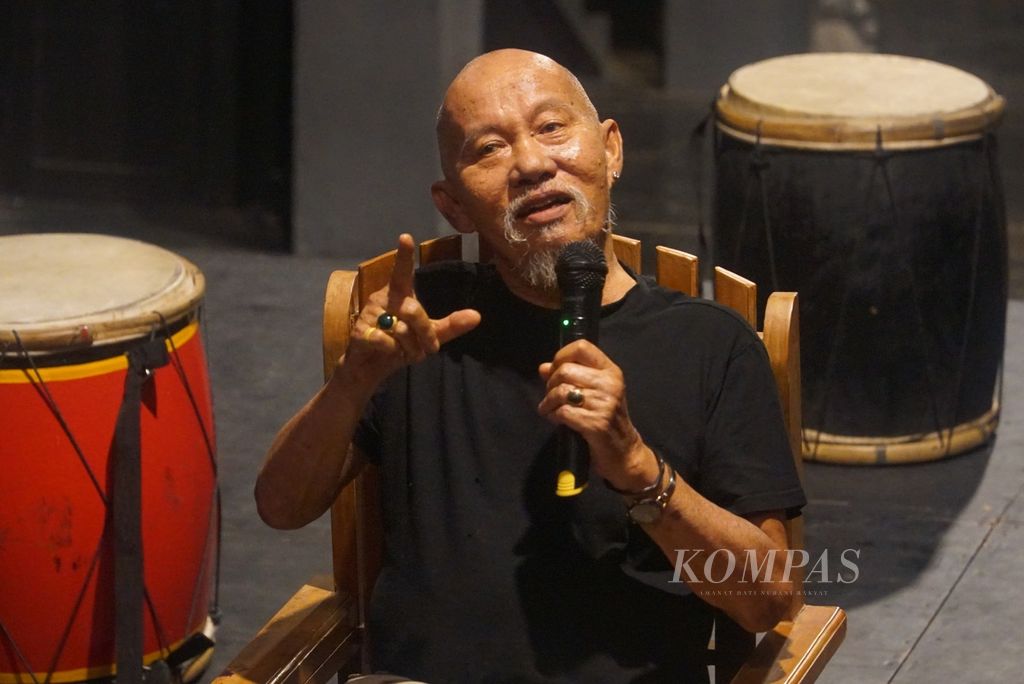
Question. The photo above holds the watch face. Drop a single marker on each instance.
(645, 512)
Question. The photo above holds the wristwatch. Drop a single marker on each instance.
(648, 510)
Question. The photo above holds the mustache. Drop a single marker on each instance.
(579, 200)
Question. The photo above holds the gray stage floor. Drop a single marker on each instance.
(941, 576)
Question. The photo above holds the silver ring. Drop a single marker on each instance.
(575, 397)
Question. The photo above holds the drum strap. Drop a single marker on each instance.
(127, 511)
(697, 145)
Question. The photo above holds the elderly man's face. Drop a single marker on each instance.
(527, 163)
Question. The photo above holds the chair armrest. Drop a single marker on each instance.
(796, 650)
(308, 640)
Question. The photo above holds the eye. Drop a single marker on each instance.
(551, 126)
(489, 148)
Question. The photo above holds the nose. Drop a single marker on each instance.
(533, 163)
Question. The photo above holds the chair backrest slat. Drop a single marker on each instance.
(627, 250)
(737, 293)
(677, 270)
(445, 248)
(374, 274)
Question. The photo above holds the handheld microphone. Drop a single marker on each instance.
(581, 269)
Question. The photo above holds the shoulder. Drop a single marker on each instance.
(692, 318)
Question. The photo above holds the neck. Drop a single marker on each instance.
(616, 284)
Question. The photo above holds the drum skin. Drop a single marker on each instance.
(56, 581)
(900, 259)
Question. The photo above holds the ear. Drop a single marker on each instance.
(450, 207)
(612, 149)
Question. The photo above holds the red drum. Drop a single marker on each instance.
(72, 310)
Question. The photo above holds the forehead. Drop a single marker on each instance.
(492, 93)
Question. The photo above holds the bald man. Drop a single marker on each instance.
(454, 383)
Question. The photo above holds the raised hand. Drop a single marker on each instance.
(378, 345)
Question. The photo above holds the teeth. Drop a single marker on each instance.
(547, 204)
(541, 206)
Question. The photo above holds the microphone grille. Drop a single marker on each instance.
(581, 263)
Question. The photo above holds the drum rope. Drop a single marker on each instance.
(881, 161)
(697, 150)
(986, 160)
(43, 390)
(8, 639)
(757, 168)
(183, 376)
(741, 230)
(1000, 211)
(197, 584)
(62, 642)
(179, 368)
(768, 235)
(215, 607)
(840, 326)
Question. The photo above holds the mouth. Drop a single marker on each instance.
(544, 208)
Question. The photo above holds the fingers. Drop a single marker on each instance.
(418, 326)
(411, 337)
(400, 285)
(414, 334)
(584, 353)
(580, 366)
(598, 392)
(455, 324)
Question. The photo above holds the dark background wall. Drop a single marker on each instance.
(306, 125)
(149, 104)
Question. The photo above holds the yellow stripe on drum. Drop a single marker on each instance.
(86, 370)
(931, 446)
(84, 673)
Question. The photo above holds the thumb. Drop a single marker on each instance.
(456, 323)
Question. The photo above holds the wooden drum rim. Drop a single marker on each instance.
(750, 119)
(178, 298)
(864, 450)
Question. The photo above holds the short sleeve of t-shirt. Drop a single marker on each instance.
(747, 466)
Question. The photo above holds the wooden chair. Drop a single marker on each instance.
(319, 632)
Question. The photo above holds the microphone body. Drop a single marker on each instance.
(581, 271)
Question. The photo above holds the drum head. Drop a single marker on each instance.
(851, 100)
(70, 290)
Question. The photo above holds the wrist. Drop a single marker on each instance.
(643, 474)
(352, 379)
(648, 510)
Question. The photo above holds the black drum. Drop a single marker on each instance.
(868, 183)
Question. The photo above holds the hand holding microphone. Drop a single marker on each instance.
(581, 270)
(586, 390)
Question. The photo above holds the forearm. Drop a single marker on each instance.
(310, 459)
(729, 561)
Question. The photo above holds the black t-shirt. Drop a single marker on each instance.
(488, 576)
